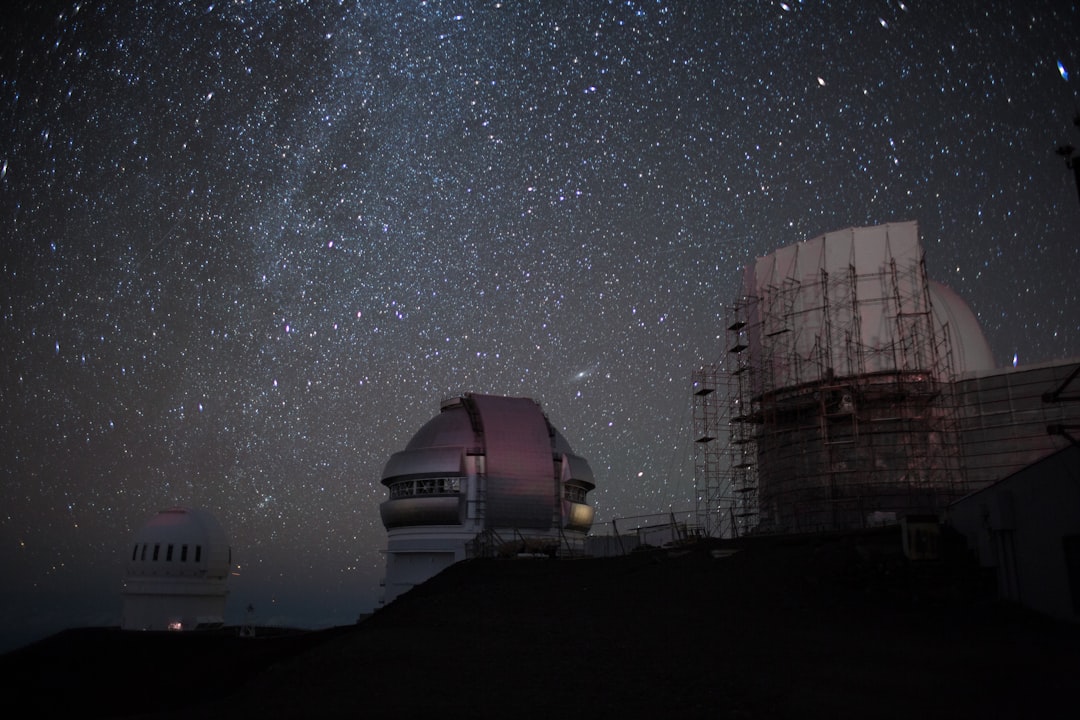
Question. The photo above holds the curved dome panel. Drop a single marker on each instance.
(450, 428)
(183, 525)
(560, 444)
(437, 448)
(181, 541)
(579, 470)
(520, 461)
(423, 461)
(970, 349)
(484, 463)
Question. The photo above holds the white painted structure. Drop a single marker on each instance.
(177, 568)
(487, 474)
(841, 359)
(855, 302)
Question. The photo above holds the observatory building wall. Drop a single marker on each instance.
(1012, 417)
(1027, 527)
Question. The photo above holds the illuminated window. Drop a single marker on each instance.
(574, 493)
(425, 486)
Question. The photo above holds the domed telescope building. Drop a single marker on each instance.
(177, 567)
(841, 360)
(488, 474)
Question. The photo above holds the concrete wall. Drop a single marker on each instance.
(1027, 527)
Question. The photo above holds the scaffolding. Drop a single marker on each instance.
(725, 463)
(741, 377)
(710, 477)
(841, 410)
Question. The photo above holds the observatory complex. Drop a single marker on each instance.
(487, 474)
(176, 575)
(854, 391)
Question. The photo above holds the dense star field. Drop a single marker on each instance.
(248, 247)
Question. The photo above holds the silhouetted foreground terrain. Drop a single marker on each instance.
(824, 627)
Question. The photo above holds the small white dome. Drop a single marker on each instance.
(177, 571)
(180, 541)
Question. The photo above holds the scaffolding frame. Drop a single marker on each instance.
(711, 495)
(829, 430)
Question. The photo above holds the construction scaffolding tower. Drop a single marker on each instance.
(742, 450)
(710, 476)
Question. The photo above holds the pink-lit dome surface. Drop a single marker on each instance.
(450, 428)
(437, 446)
(525, 462)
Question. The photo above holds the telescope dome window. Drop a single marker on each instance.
(425, 486)
(574, 493)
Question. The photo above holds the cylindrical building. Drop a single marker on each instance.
(488, 473)
(177, 568)
(841, 359)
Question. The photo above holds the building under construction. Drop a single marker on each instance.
(849, 388)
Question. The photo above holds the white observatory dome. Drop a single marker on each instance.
(970, 349)
(486, 469)
(177, 567)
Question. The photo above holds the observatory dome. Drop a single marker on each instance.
(450, 428)
(453, 427)
(176, 572)
(183, 542)
(485, 469)
(971, 351)
(442, 441)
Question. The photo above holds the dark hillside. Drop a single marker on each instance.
(825, 627)
(832, 627)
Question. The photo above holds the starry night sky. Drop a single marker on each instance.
(248, 247)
